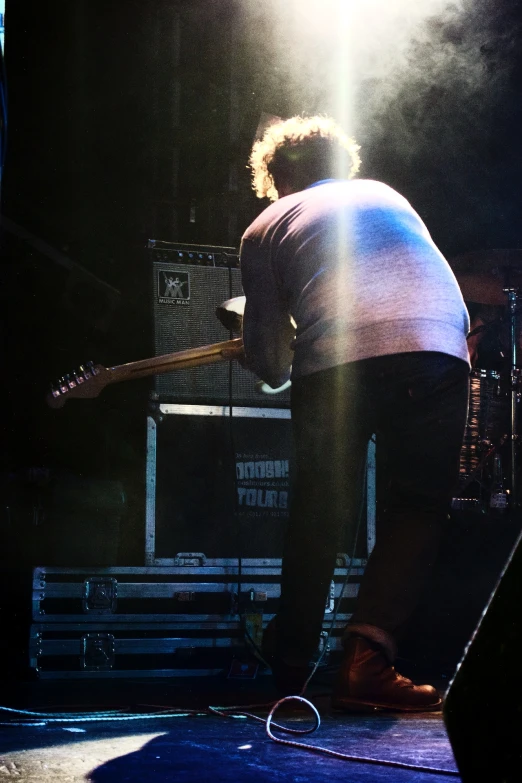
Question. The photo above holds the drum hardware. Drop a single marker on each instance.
(493, 449)
(498, 497)
(493, 277)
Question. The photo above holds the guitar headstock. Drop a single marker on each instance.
(85, 383)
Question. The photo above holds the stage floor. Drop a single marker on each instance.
(199, 747)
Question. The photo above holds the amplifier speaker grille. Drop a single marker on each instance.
(185, 297)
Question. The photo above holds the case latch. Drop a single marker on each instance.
(97, 652)
(192, 559)
(100, 595)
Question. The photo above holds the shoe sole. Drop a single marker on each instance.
(354, 705)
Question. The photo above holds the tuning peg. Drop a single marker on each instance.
(92, 368)
(84, 369)
(78, 377)
(62, 385)
(55, 391)
(71, 383)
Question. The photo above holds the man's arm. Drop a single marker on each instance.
(267, 327)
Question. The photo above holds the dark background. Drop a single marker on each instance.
(133, 120)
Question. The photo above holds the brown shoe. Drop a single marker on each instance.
(367, 680)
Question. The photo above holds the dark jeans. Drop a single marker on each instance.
(416, 404)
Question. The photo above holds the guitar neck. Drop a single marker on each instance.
(192, 357)
(89, 381)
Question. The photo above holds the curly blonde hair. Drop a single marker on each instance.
(302, 150)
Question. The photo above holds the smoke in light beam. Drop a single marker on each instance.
(362, 61)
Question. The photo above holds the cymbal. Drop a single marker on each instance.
(485, 289)
(487, 260)
(483, 274)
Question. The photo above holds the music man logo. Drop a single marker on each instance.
(173, 287)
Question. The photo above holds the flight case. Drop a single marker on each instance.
(161, 621)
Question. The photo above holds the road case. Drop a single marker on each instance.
(218, 487)
(161, 621)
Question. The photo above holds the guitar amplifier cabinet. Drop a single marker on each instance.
(218, 487)
(161, 622)
(188, 283)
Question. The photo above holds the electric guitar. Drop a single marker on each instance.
(90, 379)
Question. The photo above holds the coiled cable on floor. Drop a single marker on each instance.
(336, 753)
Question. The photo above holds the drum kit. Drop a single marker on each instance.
(489, 470)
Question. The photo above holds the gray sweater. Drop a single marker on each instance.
(342, 271)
